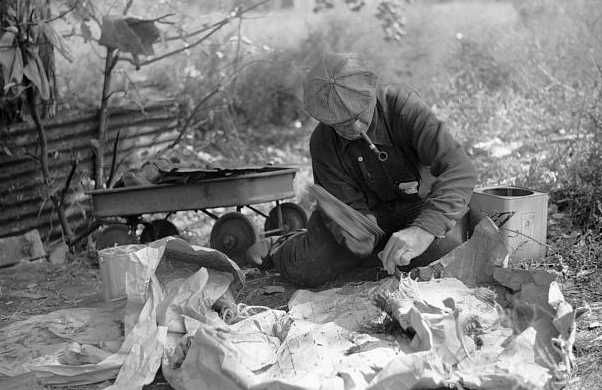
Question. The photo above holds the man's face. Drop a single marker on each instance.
(354, 128)
(351, 130)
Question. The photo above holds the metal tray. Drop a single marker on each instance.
(236, 190)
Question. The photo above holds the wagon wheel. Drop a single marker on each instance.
(233, 234)
(157, 229)
(114, 234)
(293, 218)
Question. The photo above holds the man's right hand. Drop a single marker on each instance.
(403, 246)
(361, 247)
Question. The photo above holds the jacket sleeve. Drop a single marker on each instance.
(329, 171)
(433, 145)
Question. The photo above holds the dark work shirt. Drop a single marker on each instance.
(418, 146)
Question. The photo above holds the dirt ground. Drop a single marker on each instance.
(39, 287)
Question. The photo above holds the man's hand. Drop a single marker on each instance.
(403, 246)
(361, 246)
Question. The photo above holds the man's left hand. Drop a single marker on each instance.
(403, 246)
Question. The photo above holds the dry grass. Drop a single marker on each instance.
(575, 257)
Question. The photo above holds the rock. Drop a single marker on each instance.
(25, 247)
(58, 254)
(269, 290)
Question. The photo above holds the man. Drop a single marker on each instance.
(371, 150)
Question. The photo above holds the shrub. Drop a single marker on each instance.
(537, 83)
(268, 90)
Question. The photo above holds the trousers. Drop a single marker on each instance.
(312, 257)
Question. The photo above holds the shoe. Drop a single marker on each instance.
(259, 251)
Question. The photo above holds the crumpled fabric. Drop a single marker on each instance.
(390, 334)
(445, 333)
(87, 345)
(42, 338)
(330, 340)
(192, 297)
(144, 293)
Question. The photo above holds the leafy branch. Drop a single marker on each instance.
(26, 38)
(389, 12)
(136, 37)
(124, 38)
(179, 50)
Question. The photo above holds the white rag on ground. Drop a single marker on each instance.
(454, 333)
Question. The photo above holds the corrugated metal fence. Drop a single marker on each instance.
(22, 207)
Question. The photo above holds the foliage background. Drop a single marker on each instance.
(523, 76)
(518, 83)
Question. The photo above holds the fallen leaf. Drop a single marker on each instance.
(269, 290)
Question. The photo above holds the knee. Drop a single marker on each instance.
(297, 263)
(308, 262)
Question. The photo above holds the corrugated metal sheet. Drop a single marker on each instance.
(21, 204)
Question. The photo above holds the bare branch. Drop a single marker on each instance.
(192, 115)
(44, 165)
(237, 14)
(110, 9)
(190, 46)
(553, 80)
(596, 63)
(241, 11)
(113, 160)
(44, 200)
(95, 19)
(32, 156)
(63, 14)
(128, 6)
(111, 58)
(59, 16)
(73, 34)
(193, 33)
(160, 18)
(238, 46)
(68, 181)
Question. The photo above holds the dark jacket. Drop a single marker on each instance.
(416, 142)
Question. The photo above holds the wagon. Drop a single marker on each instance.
(201, 190)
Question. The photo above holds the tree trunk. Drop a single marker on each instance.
(103, 117)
